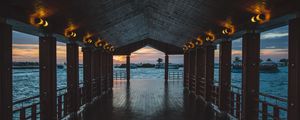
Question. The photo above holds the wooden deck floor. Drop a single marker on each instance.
(147, 100)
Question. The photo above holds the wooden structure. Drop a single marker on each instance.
(107, 28)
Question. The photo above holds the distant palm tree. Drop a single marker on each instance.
(237, 59)
(269, 59)
(159, 60)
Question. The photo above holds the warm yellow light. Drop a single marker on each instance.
(191, 45)
(258, 18)
(98, 43)
(210, 36)
(199, 41)
(228, 31)
(185, 48)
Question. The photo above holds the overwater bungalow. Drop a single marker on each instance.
(192, 28)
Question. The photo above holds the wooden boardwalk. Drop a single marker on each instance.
(146, 100)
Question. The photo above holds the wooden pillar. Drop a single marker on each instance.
(128, 67)
(200, 72)
(105, 72)
(87, 70)
(250, 76)
(5, 72)
(186, 70)
(209, 71)
(102, 67)
(225, 75)
(99, 72)
(72, 77)
(294, 70)
(47, 58)
(166, 67)
(192, 71)
(111, 70)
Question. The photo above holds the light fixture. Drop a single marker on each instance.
(258, 18)
(112, 49)
(199, 41)
(185, 48)
(98, 43)
(210, 36)
(70, 34)
(228, 31)
(191, 45)
(88, 41)
(39, 22)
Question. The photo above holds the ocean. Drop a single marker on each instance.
(26, 81)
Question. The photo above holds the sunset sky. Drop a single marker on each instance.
(274, 44)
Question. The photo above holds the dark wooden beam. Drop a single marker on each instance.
(5, 72)
(192, 72)
(47, 57)
(225, 75)
(200, 72)
(250, 76)
(166, 67)
(111, 70)
(99, 58)
(87, 76)
(209, 71)
(105, 71)
(128, 67)
(294, 70)
(186, 70)
(72, 77)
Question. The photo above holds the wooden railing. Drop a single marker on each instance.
(29, 108)
(119, 75)
(270, 107)
(176, 75)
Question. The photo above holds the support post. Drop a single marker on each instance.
(166, 67)
(99, 72)
(186, 70)
(87, 76)
(72, 77)
(5, 72)
(128, 67)
(200, 72)
(105, 72)
(111, 70)
(192, 72)
(250, 76)
(47, 58)
(225, 75)
(294, 68)
(209, 71)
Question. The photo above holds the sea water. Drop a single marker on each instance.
(26, 81)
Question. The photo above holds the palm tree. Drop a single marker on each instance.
(159, 60)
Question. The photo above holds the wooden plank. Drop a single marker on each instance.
(250, 76)
(186, 70)
(294, 68)
(225, 75)
(5, 72)
(192, 71)
(47, 58)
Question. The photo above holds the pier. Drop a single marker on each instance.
(106, 28)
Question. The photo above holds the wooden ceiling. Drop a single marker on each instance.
(123, 22)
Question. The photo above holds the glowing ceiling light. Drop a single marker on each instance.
(70, 34)
(191, 45)
(258, 18)
(98, 43)
(39, 22)
(185, 48)
(228, 31)
(210, 36)
(199, 41)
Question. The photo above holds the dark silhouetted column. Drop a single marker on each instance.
(128, 67)
(166, 67)
(186, 69)
(72, 77)
(250, 83)
(5, 72)
(209, 70)
(294, 70)
(192, 77)
(225, 75)
(200, 72)
(87, 70)
(47, 57)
